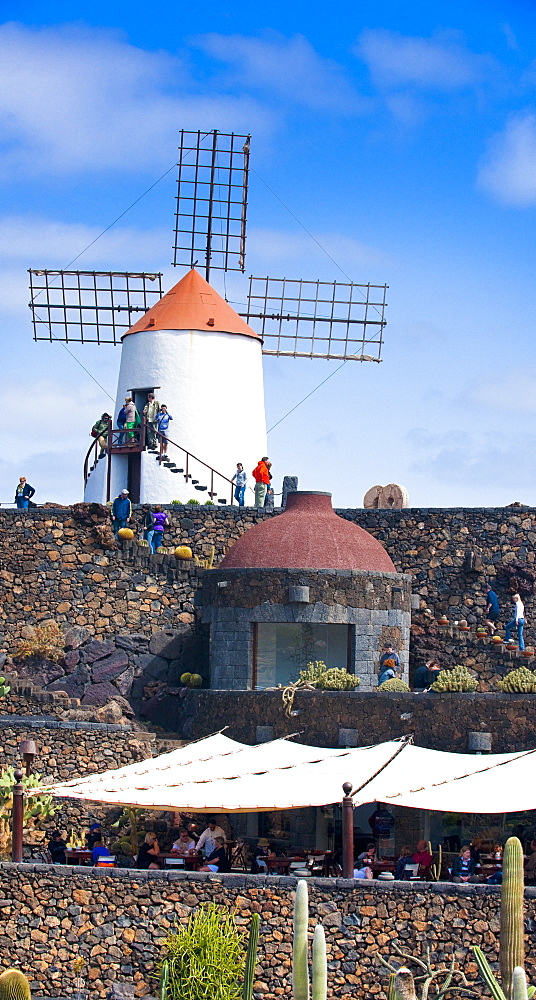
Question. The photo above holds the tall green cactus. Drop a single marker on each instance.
(512, 944)
(251, 957)
(14, 986)
(300, 961)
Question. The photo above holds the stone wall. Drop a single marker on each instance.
(117, 922)
(438, 721)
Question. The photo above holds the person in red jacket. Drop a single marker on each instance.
(261, 475)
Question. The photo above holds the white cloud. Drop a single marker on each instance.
(76, 98)
(511, 391)
(289, 68)
(279, 249)
(37, 241)
(473, 459)
(438, 63)
(508, 171)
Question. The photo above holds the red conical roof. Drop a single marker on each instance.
(307, 535)
(192, 304)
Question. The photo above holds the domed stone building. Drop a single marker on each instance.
(304, 585)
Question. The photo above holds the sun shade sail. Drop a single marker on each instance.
(218, 774)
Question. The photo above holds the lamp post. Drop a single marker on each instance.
(347, 831)
(28, 751)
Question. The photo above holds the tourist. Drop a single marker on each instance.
(150, 412)
(99, 850)
(518, 619)
(497, 852)
(239, 479)
(425, 676)
(476, 850)
(56, 848)
(217, 860)
(121, 420)
(23, 494)
(160, 523)
(362, 870)
(261, 474)
(100, 431)
(121, 511)
(261, 852)
(389, 665)
(369, 854)
(162, 424)
(192, 831)
(147, 524)
(405, 858)
(207, 840)
(148, 853)
(184, 845)
(93, 835)
(463, 869)
(132, 420)
(492, 610)
(422, 855)
(269, 498)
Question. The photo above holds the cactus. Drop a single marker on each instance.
(251, 958)
(512, 946)
(458, 679)
(183, 552)
(14, 986)
(300, 963)
(435, 870)
(521, 680)
(328, 678)
(320, 964)
(393, 684)
(163, 984)
(404, 984)
(4, 688)
(519, 984)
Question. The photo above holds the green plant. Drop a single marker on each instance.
(14, 986)
(209, 503)
(45, 640)
(402, 981)
(328, 678)
(129, 817)
(37, 808)
(511, 946)
(163, 985)
(435, 869)
(4, 688)
(393, 684)
(251, 957)
(186, 678)
(520, 680)
(205, 959)
(457, 679)
(193, 502)
(300, 958)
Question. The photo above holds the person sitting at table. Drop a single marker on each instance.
(497, 852)
(148, 853)
(99, 850)
(463, 869)
(362, 870)
(217, 861)
(530, 865)
(476, 849)
(56, 848)
(184, 845)
(369, 854)
(260, 853)
(207, 840)
(422, 856)
(93, 835)
(406, 858)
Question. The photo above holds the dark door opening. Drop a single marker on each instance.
(134, 476)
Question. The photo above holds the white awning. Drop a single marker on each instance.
(218, 774)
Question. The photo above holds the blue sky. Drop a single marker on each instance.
(402, 135)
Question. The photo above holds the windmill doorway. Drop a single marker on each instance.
(134, 476)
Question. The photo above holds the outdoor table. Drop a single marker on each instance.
(277, 866)
(191, 861)
(382, 866)
(78, 856)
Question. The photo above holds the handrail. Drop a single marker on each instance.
(93, 446)
(165, 440)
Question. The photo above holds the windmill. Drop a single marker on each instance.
(189, 347)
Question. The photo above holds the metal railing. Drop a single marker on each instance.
(215, 476)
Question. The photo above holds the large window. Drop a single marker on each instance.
(282, 650)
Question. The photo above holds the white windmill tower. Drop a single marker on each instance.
(190, 348)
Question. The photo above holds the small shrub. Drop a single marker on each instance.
(522, 681)
(457, 679)
(328, 678)
(209, 503)
(46, 641)
(193, 502)
(205, 959)
(393, 684)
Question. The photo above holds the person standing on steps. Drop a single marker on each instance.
(261, 475)
(132, 419)
(121, 420)
(162, 424)
(100, 431)
(121, 511)
(148, 526)
(492, 610)
(23, 494)
(161, 522)
(150, 412)
(518, 619)
(269, 498)
(239, 479)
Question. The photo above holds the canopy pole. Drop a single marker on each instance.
(347, 831)
(17, 818)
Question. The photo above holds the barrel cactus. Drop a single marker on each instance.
(393, 684)
(196, 681)
(125, 534)
(457, 679)
(14, 986)
(522, 680)
(186, 678)
(183, 552)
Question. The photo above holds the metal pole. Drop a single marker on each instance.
(17, 818)
(347, 832)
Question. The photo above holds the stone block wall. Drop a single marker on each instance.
(117, 921)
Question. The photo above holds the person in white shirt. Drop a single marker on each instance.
(207, 840)
(518, 619)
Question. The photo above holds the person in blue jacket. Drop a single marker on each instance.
(23, 494)
(121, 511)
(162, 424)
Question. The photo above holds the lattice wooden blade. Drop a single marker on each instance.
(89, 307)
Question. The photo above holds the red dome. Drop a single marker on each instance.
(307, 535)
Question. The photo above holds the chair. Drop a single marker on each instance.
(238, 857)
(299, 869)
(107, 861)
(173, 862)
(316, 864)
(412, 870)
